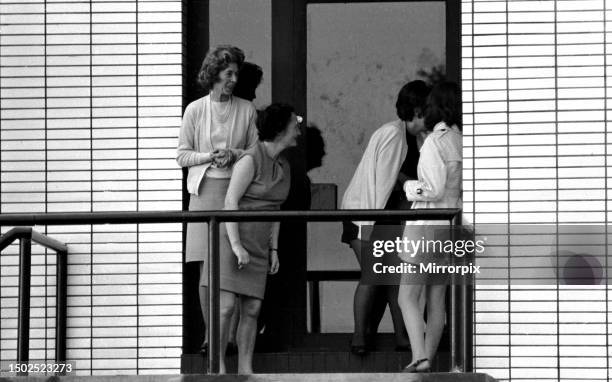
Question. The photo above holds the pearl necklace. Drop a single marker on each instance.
(223, 115)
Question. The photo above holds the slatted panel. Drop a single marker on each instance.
(535, 151)
(91, 103)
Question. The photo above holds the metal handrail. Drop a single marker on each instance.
(78, 218)
(214, 218)
(26, 235)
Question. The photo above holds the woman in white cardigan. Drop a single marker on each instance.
(374, 180)
(438, 186)
(214, 132)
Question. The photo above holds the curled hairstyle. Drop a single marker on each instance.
(273, 120)
(218, 59)
(412, 96)
(443, 105)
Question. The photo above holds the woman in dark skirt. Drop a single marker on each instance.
(251, 75)
(248, 251)
(216, 129)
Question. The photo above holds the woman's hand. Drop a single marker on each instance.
(274, 264)
(223, 158)
(242, 255)
(219, 158)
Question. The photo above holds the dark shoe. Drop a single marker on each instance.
(204, 349)
(420, 366)
(359, 350)
(370, 342)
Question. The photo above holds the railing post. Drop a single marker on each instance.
(460, 324)
(465, 301)
(454, 367)
(466, 353)
(23, 331)
(466, 310)
(453, 329)
(214, 327)
(61, 294)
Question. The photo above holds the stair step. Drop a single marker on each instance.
(318, 362)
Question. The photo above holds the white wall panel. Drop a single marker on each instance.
(91, 105)
(535, 142)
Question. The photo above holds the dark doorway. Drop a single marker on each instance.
(289, 83)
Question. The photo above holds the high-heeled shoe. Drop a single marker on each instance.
(368, 346)
(417, 367)
(359, 350)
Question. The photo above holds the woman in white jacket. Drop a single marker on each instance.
(371, 188)
(438, 186)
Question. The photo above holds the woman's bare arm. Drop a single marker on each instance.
(242, 176)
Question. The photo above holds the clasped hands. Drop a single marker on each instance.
(223, 158)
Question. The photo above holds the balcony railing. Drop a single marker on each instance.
(27, 236)
(459, 326)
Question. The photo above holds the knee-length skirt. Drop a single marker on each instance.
(211, 196)
(255, 237)
(251, 279)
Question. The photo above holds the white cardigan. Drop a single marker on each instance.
(378, 169)
(194, 136)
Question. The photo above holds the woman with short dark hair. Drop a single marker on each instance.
(215, 130)
(250, 77)
(372, 187)
(248, 251)
(438, 186)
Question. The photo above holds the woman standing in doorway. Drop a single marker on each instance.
(215, 130)
(249, 250)
(438, 186)
(250, 77)
(371, 188)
